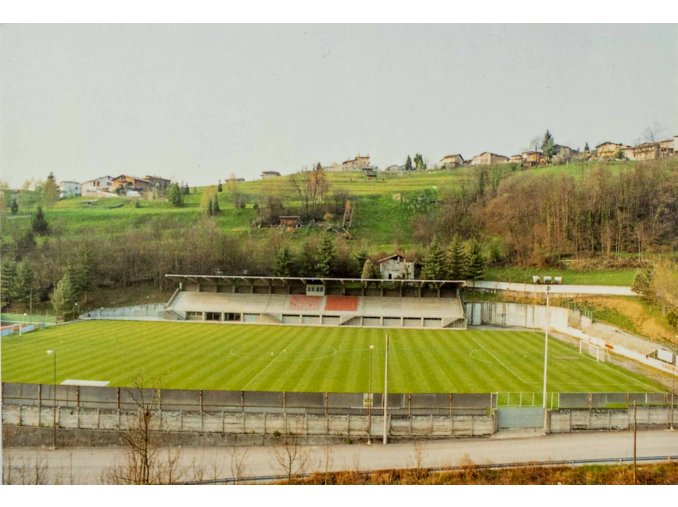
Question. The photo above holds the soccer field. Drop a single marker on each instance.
(289, 358)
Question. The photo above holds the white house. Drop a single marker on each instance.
(69, 189)
(396, 267)
(92, 187)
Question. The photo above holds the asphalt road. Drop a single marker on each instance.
(92, 465)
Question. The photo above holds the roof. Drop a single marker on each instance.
(398, 254)
(453, 155)
(608, 142)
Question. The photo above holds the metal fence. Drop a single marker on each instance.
(319, 403)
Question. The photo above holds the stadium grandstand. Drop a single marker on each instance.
(318, 301)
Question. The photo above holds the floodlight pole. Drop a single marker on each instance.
(385, 439)
(546, 348)
(54, 407)
(369, 399)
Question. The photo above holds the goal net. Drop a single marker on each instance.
(600, 353)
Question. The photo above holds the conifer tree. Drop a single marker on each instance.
(435, 263)
(40, 225)
(14, 206)
(283, 262)
(408, 164)
(63, 297)
(457, 261)
(7, 282)
(23, 286)
(326, 256)
(476, 261)
(360, 259)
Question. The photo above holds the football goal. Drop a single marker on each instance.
(600, 353)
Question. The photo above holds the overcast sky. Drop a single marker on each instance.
(199, 102)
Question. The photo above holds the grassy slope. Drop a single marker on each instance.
(247, 357)
(382, 218)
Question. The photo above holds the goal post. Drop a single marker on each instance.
(600, 353)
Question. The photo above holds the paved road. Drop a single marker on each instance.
(90, 465)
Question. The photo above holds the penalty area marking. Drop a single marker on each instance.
(500, 362)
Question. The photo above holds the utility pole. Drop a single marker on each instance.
(370, 398)
(385, 440)
(635, 432)
(546, 346)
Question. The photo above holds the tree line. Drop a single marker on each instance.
(536, 219)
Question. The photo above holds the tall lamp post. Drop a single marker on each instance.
(385, 437)
(54, 408)
(369, 406)
(546, 350)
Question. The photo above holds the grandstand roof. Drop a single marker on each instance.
(270, 280)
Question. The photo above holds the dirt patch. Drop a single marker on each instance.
(646, 324)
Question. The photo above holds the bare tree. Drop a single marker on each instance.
(146, 460)
(291, 456)
(30, 472)
(418, 455)
(238, 463)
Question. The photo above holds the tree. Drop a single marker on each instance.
(51, 189)
(326, 256)
(457, 261)
(64, 297)
(548, 146)
(291, 456)
(360, 257)
(14, 206)
(408, 164)
(145, 461)
(210, 202)
(586, 147)
(476, 261)
(82, 273)
(219, 187)
(23, 287)
(40, 225)
(434, 267)
(176, 195)
(283, 263)
(8, 282)
(419, 163)
(369, 270)
(311, 187)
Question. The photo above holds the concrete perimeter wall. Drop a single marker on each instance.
(139, 312)
(246, 423)
(556, 290)
(569, 421)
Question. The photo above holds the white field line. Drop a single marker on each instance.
(500, 362)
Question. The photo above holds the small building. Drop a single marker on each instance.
(157, 183)
(516, 159)
(532, 158)
(396, 267)
(290, 221)
(395, 168)
(269, 174)
(563, 154)
(357, 163)
(124, 182)
(102, 184)
(370, 173)
(668, 147)
(487, 158)
(451, 161)
(69, 189)
(646, 151)
(609, 150)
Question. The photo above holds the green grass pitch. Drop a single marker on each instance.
(289, 358)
